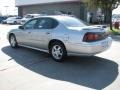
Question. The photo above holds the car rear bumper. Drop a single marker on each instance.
(89, 49)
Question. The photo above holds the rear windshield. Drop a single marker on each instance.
(73, 22)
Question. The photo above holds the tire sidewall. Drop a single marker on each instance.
(15, 22)
(13, 36)
(63, 50)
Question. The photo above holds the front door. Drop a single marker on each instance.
(24, 36)
(42, 33)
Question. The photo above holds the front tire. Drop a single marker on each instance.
(58, 51)
(13, 41)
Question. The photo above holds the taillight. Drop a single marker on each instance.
(92, 36)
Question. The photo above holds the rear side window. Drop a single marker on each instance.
(46, 23)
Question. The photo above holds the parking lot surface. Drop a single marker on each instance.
(26, 69)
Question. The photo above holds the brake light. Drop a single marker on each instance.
(90, 37)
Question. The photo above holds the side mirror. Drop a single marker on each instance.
(21, 27)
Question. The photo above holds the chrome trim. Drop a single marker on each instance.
(46, 51)
(77, 54)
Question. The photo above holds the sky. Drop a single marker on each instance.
(117, 11)
(7, 7)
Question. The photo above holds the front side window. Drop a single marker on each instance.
(46, 23)
(30, 24)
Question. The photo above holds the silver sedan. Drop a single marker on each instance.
(60, 36)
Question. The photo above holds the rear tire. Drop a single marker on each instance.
(57, 51)
(15, 22)
(13, 41)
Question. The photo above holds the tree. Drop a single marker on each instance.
(107, 6)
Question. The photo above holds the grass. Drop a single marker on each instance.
(115, 31)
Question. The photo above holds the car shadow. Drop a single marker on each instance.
(93, 72)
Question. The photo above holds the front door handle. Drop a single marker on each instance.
(47, 33)
(29, 32)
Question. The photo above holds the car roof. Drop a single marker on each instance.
(11, 17)
(57, 17)
(34, 14)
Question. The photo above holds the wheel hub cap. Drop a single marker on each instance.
(57, 52)
(12, 41)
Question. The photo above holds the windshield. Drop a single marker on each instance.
(10, 18)
(31, 15)
(73, 22)
(28, 16)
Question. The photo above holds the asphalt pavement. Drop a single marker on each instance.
(26, 69)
